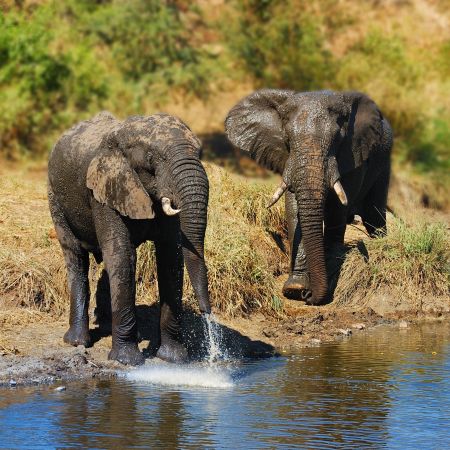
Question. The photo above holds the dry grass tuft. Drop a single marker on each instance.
(412, 261)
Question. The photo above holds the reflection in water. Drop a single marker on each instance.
(382, 388)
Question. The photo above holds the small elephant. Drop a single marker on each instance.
(333, 152)
(113, 185)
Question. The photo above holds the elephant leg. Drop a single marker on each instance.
(297, 285)
(335, 220)
(119, 256)
(373, 208)
(169, 258)
(103, 314)
(77, 263)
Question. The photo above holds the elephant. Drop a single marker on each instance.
(332, 150)
(113, 185)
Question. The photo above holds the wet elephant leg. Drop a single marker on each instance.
(169, 258)
(103, 314)
(77, 263)
(297, 285)
(119, 256)
(335, 219)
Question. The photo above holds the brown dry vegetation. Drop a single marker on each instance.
(245, 251)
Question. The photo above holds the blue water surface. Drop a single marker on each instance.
(386, 388)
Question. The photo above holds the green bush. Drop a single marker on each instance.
(61, 62)
(280, 45)
(39, 81)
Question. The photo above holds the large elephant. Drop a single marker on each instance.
(113, 185)
(333, 152)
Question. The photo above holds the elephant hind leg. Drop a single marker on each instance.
(77, 263)
(373, 208)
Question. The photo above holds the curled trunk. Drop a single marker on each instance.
(192, 189)
(308, 182)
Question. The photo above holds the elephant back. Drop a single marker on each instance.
(255, 125)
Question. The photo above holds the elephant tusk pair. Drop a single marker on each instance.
(340, 192)
(283, 186)
(167, 208)
(278, 193)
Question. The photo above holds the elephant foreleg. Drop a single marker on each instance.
(335, 219)
(103, 315)
(119, 256)
(169, 260)
(373, 210)
(77, 263)
(297, 285)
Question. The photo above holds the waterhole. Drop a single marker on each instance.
(385, 388)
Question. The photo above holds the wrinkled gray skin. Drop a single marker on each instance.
(314, 139)
(106, 182)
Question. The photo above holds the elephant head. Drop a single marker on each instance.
(311, 139)
(148, 166)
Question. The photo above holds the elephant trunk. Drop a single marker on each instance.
(191, 187)
(310, 190)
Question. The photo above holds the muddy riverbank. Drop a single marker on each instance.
(35, 353)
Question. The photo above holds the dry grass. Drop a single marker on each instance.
(242, 250)
(411, 262)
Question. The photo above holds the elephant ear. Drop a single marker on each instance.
(255, 125)
(364, 132)
(116, 184)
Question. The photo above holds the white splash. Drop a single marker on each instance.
(192, 376)
(215, 348)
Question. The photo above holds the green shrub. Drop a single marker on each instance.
(280, 45)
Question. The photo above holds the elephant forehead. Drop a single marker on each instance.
(88, 134)
(158, 130)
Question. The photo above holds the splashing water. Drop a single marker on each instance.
(189, 376)
(215, 348)
(205, 375)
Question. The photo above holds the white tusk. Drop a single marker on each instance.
(278, 193)
(340, 192)
(167, 208)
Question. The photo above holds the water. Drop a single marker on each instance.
(386, 388)
(216, 349)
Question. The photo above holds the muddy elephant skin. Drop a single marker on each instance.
(113, 185)
(333, 152)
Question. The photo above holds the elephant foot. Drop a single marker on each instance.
(127, 354)
(78, 335)
(296, 287)
(172, 351)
